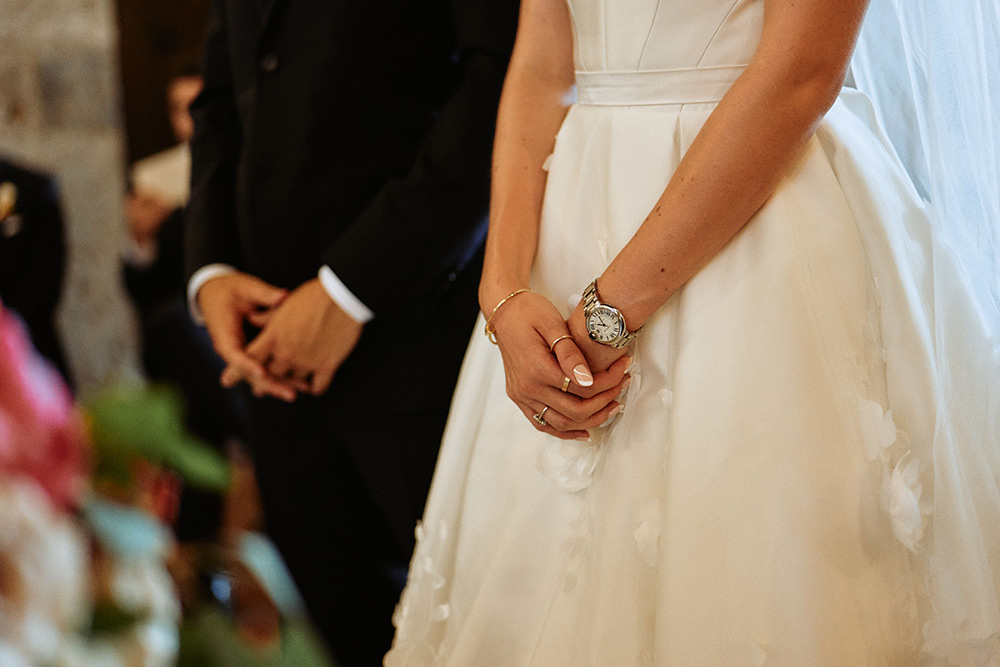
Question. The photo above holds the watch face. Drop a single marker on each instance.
(605, 324)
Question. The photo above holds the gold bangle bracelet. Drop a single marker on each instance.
(491, 333)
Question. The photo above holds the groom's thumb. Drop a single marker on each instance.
(265, 294)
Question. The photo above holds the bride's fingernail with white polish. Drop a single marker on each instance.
(626, 383)
(583, 438)
(629, 366)
(583, 376)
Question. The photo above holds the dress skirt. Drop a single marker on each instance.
(786, 484)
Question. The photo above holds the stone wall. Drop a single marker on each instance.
(60, 112)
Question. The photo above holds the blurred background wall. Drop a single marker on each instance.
(60, 112)
(81, 96)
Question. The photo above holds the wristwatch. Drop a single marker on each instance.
(605, 324)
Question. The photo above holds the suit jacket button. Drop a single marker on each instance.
(268, 63)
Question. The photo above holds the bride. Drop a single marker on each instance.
(745, 404)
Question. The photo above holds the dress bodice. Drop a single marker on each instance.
(629, 35)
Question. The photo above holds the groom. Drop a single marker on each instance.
(339, 191)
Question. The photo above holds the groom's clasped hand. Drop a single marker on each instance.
(304, 336)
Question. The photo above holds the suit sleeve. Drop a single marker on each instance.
(210, 221)
(420, 232)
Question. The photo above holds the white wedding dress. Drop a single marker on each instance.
(798, 477)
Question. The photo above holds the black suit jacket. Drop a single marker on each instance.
(358, 134)
(32, 257)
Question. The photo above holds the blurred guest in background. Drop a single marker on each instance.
(175, 349)
(160, 187)
(32, 254)
(339, 193)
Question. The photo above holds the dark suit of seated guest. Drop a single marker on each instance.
(32, 254)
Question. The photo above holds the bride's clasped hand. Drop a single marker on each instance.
(542, 353)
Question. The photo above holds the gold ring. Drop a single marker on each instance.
(565, 385)
(552, 347)
(540, 416)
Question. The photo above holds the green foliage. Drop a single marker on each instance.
(111, 619)
(148, 422)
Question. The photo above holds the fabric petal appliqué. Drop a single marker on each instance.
(647, 535)
(423, 599)
(879, 428)
(569, 464)
(905, 508)
(957, 646)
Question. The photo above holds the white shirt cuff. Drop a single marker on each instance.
(200, 277)
(343, 297)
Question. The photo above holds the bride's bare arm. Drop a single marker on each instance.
(737, 160)
(532, 107)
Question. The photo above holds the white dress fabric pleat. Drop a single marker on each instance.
(767, 497)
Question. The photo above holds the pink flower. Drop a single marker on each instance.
(41, 434)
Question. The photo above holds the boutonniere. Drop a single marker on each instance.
(10, 221)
